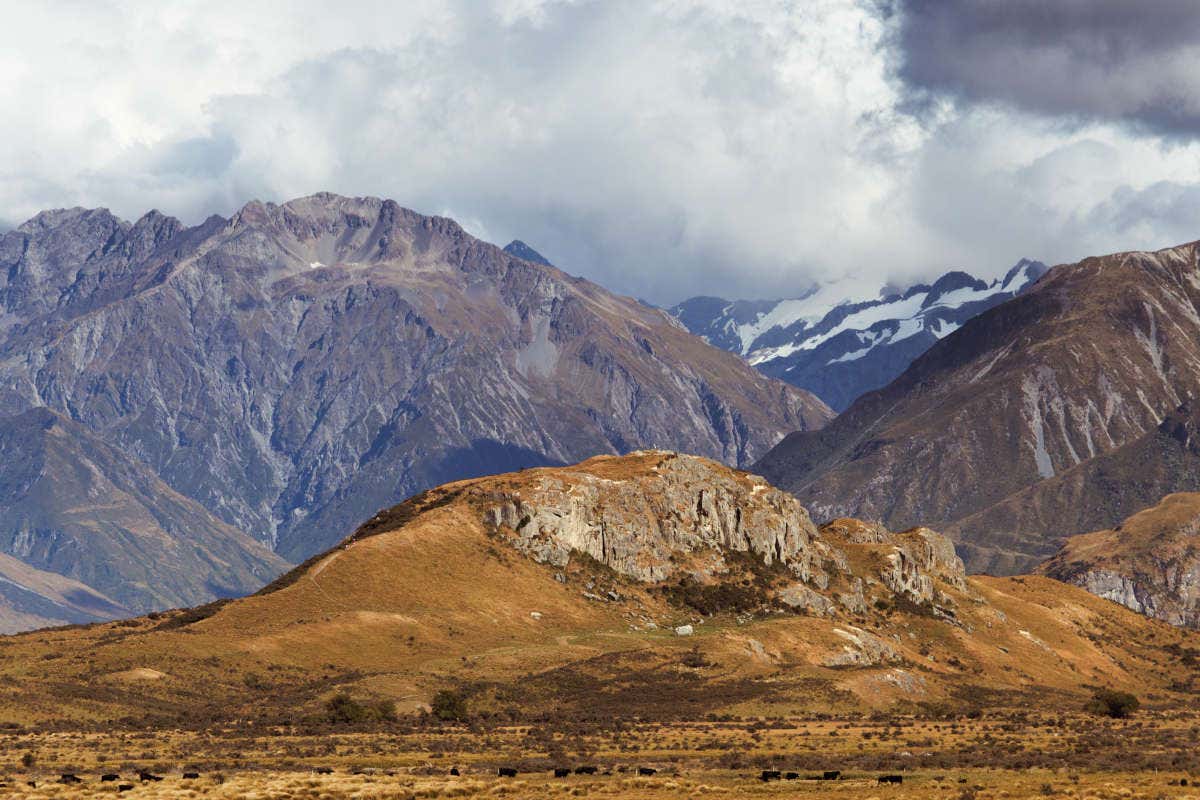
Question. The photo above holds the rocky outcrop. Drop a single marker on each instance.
(655, 517)
(296, 367)
(918, 558)
(1150, 563)
(861, 649)
(641, 524)
(1090, 359)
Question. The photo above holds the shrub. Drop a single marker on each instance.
(449, 705)
(344, 709)
(1112, 703)
(695, 659)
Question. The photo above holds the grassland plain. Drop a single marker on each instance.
(1010, 754)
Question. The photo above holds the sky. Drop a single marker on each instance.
(663, 148)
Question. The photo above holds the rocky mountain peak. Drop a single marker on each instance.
(327, 229)
(523, 251)
(76, 217)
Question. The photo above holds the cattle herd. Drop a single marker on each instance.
(766, 775)
(144, 776)
(503, 772)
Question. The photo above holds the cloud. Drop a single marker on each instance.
(1089, 60)
(663, 149)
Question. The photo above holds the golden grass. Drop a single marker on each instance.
(1011, 755)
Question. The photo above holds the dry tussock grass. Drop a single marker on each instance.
(998, 756)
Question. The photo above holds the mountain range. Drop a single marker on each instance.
(249, 389)
(1035, 417)
(839, 340)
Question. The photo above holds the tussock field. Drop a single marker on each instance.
(996, 755)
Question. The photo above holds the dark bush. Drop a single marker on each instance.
(1111, 703)
(344, 709)
(449, 705)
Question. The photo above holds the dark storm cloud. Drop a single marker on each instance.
(1130, 61)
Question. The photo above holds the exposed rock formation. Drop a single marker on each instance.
(655, 516)
(1092, 358)
(640, 525)
(1149, 563)
(432, 594)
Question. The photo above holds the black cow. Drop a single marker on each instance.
(124, 787)
(454, 771)
(191, 776)
(323, 770)
(585, 770)
(891, 779)
(506, 772)
(647, 771)
(68, 777)
(791, 776)
(831, 775)
(770, 775)
(561, 772)
(144, 776)
(109, 777)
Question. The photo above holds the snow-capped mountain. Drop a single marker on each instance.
(839, 340)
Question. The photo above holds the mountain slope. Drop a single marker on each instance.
(296, 367)
(72, 505)
(1094, 494)
(32, 598)
(839, 343)
(1090, 359)
(552, 594)
(1150, 562)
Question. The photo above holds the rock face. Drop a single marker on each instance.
(839, 343)
(1090, 359)
(639, 525)
(655, 516)
(72, 505)
(1150, 563)
(299, 366)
